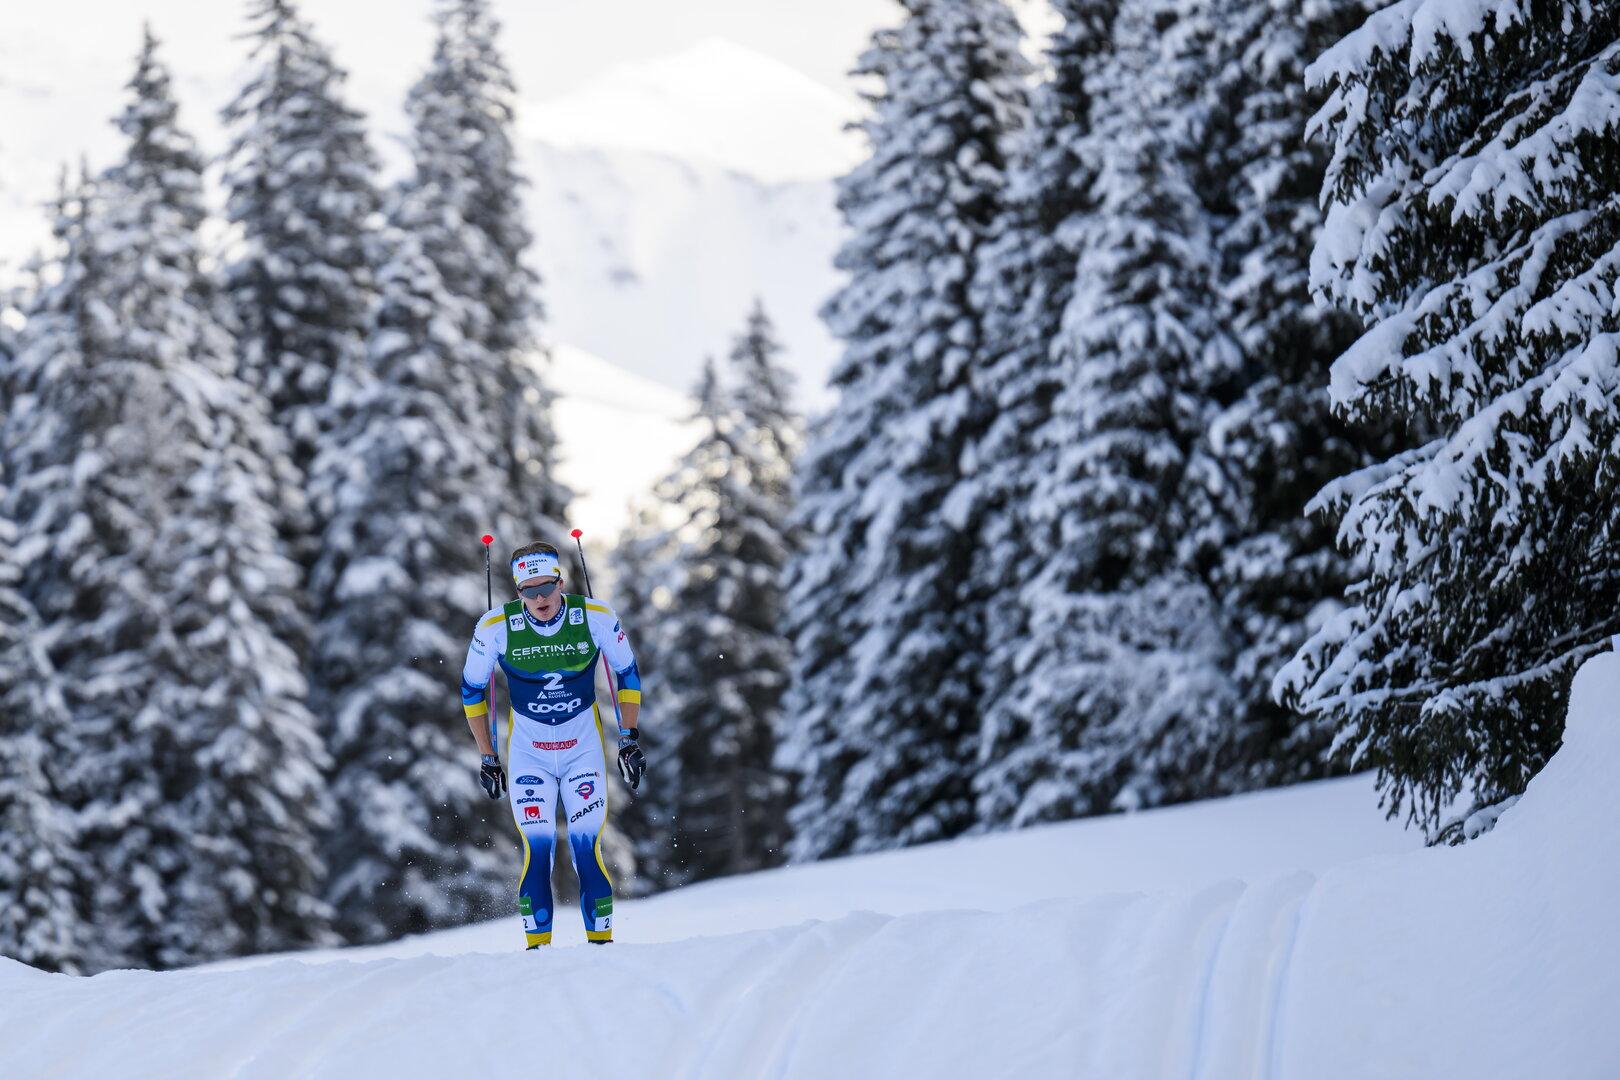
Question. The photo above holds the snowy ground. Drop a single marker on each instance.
(1286, 934)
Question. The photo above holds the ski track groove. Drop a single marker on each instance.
(316, 1036)
(814, 949)
(689, 1046)
(1279, 1003)
(787, 1037)
(1201, 1029)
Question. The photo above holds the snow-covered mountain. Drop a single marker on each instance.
(652, 262)
(669, 194)
(666, 194)
(1291, 934)
(619, 435)
(715, 103)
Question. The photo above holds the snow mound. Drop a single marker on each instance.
(717, 102)
(1500, 959)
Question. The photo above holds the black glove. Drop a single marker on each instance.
(632, 763)
(492, 776)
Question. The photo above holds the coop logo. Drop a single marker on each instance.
(566, 744)
(582, 811)
(585, 790)
(540, 708)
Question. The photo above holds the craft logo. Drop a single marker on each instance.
(587, 808)
(531, 813)
(585, 790)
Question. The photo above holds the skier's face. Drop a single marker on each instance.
(543, 608)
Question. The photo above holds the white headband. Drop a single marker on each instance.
(538, 565)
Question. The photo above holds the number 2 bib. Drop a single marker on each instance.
(551, 679)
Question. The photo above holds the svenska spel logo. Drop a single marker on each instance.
(585, 789)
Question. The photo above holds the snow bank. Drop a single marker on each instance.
(1499, 959)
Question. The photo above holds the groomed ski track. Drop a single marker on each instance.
(1498, 959)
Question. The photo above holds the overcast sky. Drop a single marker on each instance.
(554, 43)
(63, 64)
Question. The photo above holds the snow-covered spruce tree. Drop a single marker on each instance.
(398, 581)
(644, 563)
(302, 196)
(1124, 666)
(882, 719)
(43, 874)
(751, 545)
(143, 490)
(1473, 220)
(81, 464)
(1023, 282)
(251, 790)
(467, 183)
(1273, 442)
(724, 663)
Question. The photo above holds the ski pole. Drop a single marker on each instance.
(580, 546)
(607, 668)
(489, 602)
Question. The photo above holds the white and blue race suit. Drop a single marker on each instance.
(555, 745)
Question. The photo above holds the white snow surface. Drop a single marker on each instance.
(1282, 934)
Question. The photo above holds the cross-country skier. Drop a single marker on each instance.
(547, 642)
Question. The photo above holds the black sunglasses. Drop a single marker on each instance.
(545, 588)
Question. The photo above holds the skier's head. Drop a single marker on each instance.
(538, 574)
